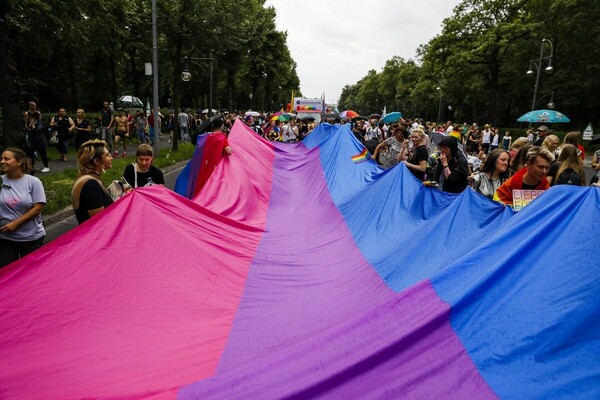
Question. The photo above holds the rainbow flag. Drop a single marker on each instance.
(361, 157)
(290, 275)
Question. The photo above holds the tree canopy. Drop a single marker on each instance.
(75, 54)
(475, 69)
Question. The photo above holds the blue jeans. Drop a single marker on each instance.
(183, 131)
(142, 135)
(107, 135)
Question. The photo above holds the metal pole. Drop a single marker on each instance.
(155, 79)
(210, 86)
(537, 78)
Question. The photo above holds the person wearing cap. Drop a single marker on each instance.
(453, 168)
(530, 177)
(542, 131)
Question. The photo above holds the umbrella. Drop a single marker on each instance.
(203, 126)
(252, 113)
(544, 116)
(595, 139)
(392, 117)
(349, 114)
(330, 115)
(360, 117)
(129, 101)
(205, 111)
(377, 116)
(280, 117)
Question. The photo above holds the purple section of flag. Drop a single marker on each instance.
(316, 320)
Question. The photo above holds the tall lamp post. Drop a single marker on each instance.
(538, 65)
(155, 78)
(186, 76)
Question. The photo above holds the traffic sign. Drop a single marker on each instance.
(588, 132)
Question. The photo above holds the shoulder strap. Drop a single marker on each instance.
(78, 185)
(135, 174)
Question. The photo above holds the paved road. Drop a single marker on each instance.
(59, 165)
(65, 221)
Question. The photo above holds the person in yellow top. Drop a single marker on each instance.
(121, 131)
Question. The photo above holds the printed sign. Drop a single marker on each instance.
(522, 197)
(588, 132)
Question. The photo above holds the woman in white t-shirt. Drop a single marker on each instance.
(22, 199)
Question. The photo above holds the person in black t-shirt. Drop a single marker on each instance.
(142, 172)
(417, 157)
(89, 196)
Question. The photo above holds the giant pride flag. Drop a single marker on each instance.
(296, 273)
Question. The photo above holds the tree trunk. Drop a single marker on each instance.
(10, 92)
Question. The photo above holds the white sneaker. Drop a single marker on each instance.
(45, 169)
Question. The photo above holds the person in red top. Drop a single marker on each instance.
(532, 176)
(215, 148)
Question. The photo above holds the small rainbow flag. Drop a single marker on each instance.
(363, 156)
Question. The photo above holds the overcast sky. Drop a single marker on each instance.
(336, 42)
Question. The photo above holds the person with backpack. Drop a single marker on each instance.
(568, 170)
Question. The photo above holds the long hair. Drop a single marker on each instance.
(24, 162)
(520, 159)
(572, 138)
(489, 166)
(89, 157)
(570, 159)
(548, 142)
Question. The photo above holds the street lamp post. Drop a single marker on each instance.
(155, 78)
(439, 118)
(538, 65)
(186, 76)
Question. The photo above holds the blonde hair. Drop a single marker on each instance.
(420, 131)
(570, 159)
(548, 139)
(520, 142)
(537, 151)
(89, 157)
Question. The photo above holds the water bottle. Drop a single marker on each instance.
(150, 182)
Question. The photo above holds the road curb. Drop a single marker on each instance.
(68, 211)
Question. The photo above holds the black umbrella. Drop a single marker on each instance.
(203, 126)
(360, 118)
(334, 116)
(375, 116)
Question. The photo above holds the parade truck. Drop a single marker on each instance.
(308, 108)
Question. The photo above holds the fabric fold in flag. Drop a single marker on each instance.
(296, 273)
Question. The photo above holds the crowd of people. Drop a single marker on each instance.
(115, 127)
(447, 156)
(453, 157)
